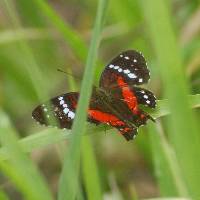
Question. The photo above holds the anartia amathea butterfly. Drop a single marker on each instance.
(115, 102)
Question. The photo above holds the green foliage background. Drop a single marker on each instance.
(37, 37)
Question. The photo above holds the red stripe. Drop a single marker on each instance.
(128, 95)
(105, 118)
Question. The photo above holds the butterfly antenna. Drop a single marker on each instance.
(75, 77)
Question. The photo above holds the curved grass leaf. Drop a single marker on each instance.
(183, 129)
(3, 196)
(50, 136)
(69, 176)
(19, 167)
(71, 37)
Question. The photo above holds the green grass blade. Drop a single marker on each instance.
(167, 168)
(8, 36)
(183, 133)
(90, 175)
(71, 37)
(19, 168)
(69, 176)
(3, 196)
(90, 172)
(24, 49)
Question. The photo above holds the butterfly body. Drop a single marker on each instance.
(115, 102)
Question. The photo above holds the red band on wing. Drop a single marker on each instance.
(129, 96)
(105, 118)
(127, 132)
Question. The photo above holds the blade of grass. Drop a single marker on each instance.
(183, 132)
(3, 196)
(69, 177)
(129, 12)
(24, 49)
(27, 178)
(90, 172)
(52, 135)
(71, 37)
(19, 168)
(9, 36)
(167, 168)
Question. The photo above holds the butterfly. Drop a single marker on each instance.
(115, 102)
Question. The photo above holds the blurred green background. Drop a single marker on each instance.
(37, 37)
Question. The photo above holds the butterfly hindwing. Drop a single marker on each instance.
(131, 65)
(112, 111)
(145, 97)
(97, 116)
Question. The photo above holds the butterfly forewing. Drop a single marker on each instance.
(59, 111)
(131, 65)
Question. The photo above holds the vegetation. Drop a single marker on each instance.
(38, 163)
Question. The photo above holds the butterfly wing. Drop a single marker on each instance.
(145, 97)
(59, 111)
(130, 65)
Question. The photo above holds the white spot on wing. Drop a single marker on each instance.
(116, 67)
(121, 55)
(62, 102)
(119, 70)
(65, 105)
(111, 66)
(126, 57)
(126, 71)
(148, 102)
(140, 80)
(71, 114)
(131, 75)
(60, 98)
(145, 96)
(66, 110)
(134, 60)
